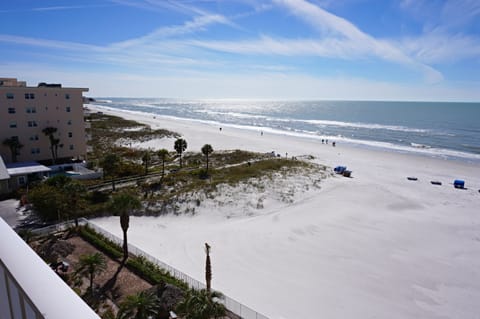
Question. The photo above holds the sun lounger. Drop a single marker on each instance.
(436, 183)
(412, 178)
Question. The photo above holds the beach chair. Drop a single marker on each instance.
(412, 178)
(347, 173)
(436, 182)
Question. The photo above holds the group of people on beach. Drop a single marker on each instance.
(325, 141)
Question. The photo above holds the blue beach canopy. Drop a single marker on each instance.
(340, 169)
(458, 183)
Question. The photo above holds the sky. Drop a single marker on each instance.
(247, 49)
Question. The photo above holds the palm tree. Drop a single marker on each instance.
(91, 265)
(14, 145)
(54, 142)
(146, 160)
(208, 268)
(207, 150)
(74, 193)
(111, 164)
(163, 155)
(143, 305)
(180, 146)
(124, 203)
(201, 305)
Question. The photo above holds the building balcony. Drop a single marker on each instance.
(29, 288)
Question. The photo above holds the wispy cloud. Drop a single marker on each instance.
(162, 5)
(459, 13)
(443, 39)
(441, 47)
(45, 43)
(449, 15)
(57, 8)
(197, 24)
(343, 34)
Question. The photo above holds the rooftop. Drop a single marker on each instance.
(23, 168)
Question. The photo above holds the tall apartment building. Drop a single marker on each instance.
(26, 111)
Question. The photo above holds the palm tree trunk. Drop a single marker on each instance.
(91, 283)
(207, 163)
(53, 154)
(125, 246)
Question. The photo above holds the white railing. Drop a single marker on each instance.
(231, 304)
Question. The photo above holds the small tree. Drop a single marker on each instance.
(201, 305)
(163, 155)
(124, 204)
(14, 145)
(146, 158)
(75, 194)
(207, 150)
(180, 146)
(91, 265)
(143, 305)
(111, 164)
(58, 198)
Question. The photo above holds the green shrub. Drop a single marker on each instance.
(99, 241)
(152, 272)
(137, 264)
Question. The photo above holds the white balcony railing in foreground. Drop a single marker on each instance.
(29, 289)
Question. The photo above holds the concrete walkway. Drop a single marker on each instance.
(10, 213)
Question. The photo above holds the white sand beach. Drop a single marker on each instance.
(372, 246)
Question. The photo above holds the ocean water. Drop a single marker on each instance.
(438, 129)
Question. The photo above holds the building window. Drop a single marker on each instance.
(69, 122)
(22, 180)
(32, 124)
(14, 138)
(34, 137)
(71, 147)
(13, 124)
(35, 150)
(11, 110)
(10, 96)
(70, 134)
(68, 108)
(29, 96)
(31, 109)
(67, 96)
